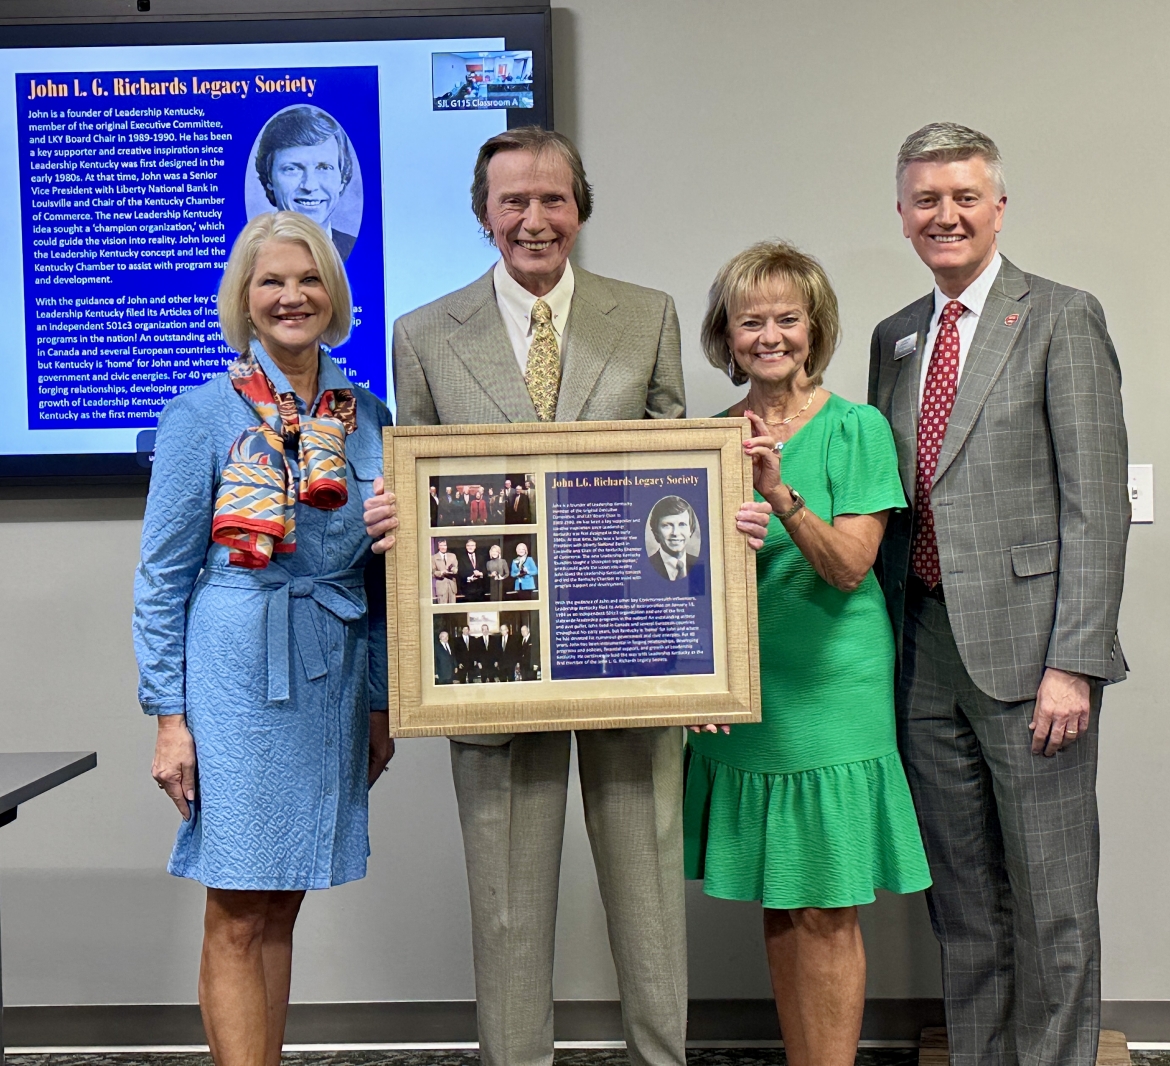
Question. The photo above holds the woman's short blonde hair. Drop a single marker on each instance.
(237, 275)
(743, 278)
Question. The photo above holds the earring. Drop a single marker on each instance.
(731, 367)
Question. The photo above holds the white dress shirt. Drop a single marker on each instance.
(516, 302)
(973, 297)
(676, 566)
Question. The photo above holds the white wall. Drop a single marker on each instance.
(448, 73)
(791, 131)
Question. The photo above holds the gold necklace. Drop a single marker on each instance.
(784, 421)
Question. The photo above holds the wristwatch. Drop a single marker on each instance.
(797, 504)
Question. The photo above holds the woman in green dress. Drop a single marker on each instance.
(809, 810)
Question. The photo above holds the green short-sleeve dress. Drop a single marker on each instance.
(810, 808)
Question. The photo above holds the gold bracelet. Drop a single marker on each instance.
(803, 512)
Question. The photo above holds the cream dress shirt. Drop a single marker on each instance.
(516, 302)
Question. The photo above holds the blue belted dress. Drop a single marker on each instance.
(276, 669)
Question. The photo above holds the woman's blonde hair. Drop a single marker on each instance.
(756, 268)
(237, 276)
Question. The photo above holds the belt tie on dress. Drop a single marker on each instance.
(341, 593)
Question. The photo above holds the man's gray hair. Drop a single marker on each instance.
(537, 140)
(947, 142)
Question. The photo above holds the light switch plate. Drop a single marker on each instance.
(1141, 491)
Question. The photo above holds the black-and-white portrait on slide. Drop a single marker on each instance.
(674, 540)
(303, 161)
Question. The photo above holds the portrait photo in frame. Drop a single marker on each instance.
(625, 597)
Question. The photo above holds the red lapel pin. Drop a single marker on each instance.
(1011, 320)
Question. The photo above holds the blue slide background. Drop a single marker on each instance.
(349, 94)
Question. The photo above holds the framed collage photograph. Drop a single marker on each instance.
(570, 575)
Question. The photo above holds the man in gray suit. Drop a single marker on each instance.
(1003, 581)
(537, 339)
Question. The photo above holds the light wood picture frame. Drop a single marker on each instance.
(597, 565)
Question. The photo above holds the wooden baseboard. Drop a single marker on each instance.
(933, 1050)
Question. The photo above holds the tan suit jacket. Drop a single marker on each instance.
(620, 359)
(444, 567)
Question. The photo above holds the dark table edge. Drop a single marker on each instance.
(86, 761)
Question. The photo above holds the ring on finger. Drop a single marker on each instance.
(778, 447)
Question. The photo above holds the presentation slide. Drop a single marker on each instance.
(137, 167)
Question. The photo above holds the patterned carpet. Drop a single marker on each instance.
(597, 1057)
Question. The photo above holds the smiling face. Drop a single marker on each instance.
(521, 550)
(769, 335)
(951, 213)
(470, 546)
(673, 531)
(532, 215)
(287, 301)
(306, 178)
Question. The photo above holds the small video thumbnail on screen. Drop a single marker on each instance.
(469, 81)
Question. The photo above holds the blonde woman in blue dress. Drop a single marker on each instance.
(259, 649)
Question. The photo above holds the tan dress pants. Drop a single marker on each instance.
(512, 810)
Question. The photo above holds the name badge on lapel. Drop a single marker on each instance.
(906, 345)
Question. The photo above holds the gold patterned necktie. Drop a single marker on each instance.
(543, 376)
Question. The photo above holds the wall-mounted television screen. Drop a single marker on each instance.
(135, 152)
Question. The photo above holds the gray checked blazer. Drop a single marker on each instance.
(620, 359)
(1030, 502)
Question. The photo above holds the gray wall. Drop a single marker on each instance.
(705, 126)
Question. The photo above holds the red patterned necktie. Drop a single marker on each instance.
(938, 397)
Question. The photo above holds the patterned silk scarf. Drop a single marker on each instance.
(255, 510)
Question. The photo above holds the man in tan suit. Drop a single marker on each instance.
(536, 339)
(444, 567)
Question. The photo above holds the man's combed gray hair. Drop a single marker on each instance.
(537, 140)
(946, 142)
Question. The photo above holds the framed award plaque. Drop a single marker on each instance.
(576, 575)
